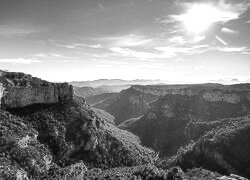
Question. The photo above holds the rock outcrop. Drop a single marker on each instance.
(46, 131)
(20, 90)
(225, 148)
(130, 103)
(167, 124)
(135, 101)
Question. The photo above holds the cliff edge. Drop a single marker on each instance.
(20, 90)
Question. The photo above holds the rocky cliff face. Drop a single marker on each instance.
(20, 90)
(223, 148)
(129, 103)
(166, 126)
(136, 100)
(41, 137)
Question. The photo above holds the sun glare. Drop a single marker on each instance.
(200, 17)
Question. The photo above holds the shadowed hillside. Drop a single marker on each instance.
(48, 133)
(59, 133)
(163, 127)
(224, 148)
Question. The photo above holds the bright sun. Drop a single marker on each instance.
(200, 17)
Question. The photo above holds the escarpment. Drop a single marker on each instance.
(135, 101)
(224, 148)
(167, 124)
(20, 90)
(47, 133)
(44, 124)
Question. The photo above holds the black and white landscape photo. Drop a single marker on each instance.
(124, 89)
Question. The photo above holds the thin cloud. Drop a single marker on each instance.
(63, 57)
(164, 52)
(79, 45)
(130, 53)
(183, 50)
(15, 31)
(221, 40)
(177, 39)
(54, 56)
(74, 45)
(180, 60)
(20, 61)
(164, 20)
(246, 53)
(233, 49)
(199, 38)
(229, 31)
(41, 55)
(130, 40)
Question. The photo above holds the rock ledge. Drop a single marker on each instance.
(20, 90)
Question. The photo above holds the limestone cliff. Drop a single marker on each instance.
(20, 90)
(225, 148)
(135, 101)
(42, 138)
(167, 125)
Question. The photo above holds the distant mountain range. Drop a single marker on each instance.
(114, 82)
(207, 124)
(87, 91)
(92, 88)
(120, 82)
(229, 81)
(97, 87)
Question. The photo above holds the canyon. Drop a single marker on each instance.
(48, 132)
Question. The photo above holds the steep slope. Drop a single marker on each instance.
(135, 101)
(113, 88)
(102, 101)
(224, 148)
(21, 154)
(104, 115)
(46, 126)
(47, 133)
(129, 104)
(151, 172)
(163, 127)
(87, 91)
(74, 132)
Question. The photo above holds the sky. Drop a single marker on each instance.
(174, 40)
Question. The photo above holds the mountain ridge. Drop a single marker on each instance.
(67, 139)
(54, 135)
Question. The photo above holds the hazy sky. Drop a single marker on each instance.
(64, 40)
